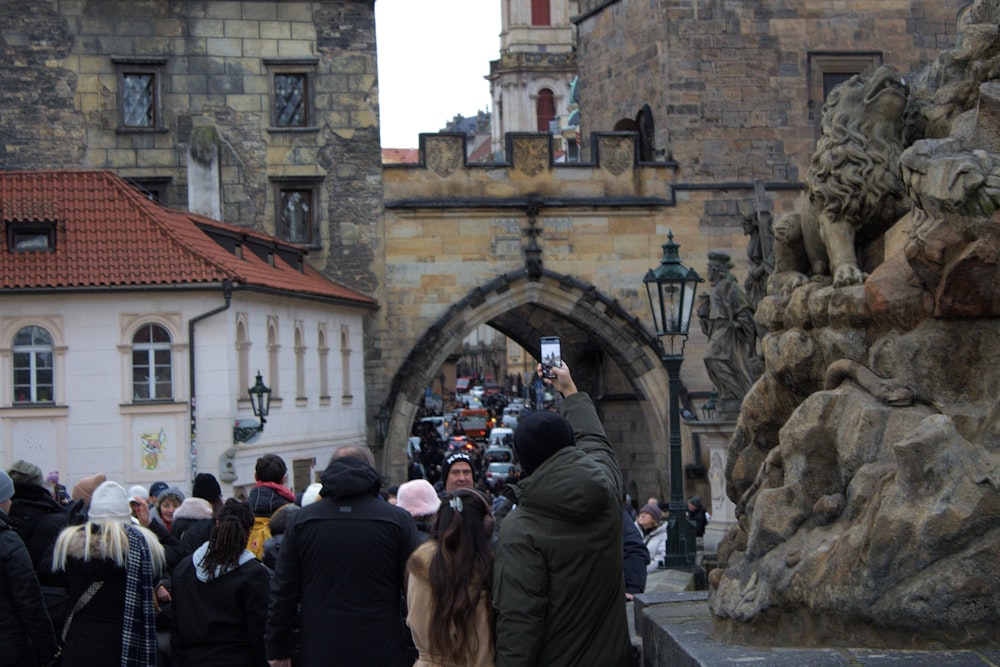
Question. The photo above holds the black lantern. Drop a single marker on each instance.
(260, 401)
(671, 289)
(382, 425)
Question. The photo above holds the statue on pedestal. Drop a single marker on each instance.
(726, 316)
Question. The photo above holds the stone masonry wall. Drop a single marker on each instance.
(729, 82)
(59, 106)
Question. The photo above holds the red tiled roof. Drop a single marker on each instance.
(400, 156)
(109, 235)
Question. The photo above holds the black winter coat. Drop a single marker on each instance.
(39, 519)
(219, 623)
(23, 620)
(344, 559)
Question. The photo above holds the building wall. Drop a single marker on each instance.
(60, 67)
(95, 426)
(735, 87)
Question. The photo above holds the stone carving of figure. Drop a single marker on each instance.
(726, 316)
(760, 250)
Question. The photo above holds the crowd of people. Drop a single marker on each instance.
(440, 576)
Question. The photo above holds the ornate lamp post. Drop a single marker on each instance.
(670, 289)
(260, 401)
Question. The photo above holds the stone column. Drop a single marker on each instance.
(723, 509)
(715, 436)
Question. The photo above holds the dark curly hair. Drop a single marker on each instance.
(229, 538)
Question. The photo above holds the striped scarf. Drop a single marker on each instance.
(139, 626)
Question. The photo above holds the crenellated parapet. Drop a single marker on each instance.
(613, 175)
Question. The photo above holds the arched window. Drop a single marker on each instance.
(152, 364)
(541, 12)
(545, 109)
(324, 353)
(345, 362)
(242, 359)
(33, 366)
(300, 363)
(273, 369)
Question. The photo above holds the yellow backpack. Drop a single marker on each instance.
(258, 535)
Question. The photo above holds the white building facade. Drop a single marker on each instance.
(145, 382)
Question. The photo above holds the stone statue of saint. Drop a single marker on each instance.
(726, 316)
(760, 250)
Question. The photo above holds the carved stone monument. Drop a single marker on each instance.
(865, 467)
(726, 317)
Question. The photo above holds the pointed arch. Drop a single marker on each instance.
(601, 319)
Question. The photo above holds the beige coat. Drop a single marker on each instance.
(418, 617)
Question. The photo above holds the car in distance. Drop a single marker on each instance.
(499, 475)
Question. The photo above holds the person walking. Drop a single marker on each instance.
(111, 565)
(343, 561)
(38, 518)
(558, 588)
(220, 598)
(420, 499)
(448, 591)
(26, 635)
(194, 519)
(654, 534)
(268, 495)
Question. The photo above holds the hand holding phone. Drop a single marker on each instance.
(551, 355)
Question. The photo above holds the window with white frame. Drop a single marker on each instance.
(33, 365)
(273, 367)
(152, 364)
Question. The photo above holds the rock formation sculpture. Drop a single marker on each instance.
(866, 460)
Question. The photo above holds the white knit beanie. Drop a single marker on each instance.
(109, 503)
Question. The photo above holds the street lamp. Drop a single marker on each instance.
(260, 401)
(382, 425)
(670, 289)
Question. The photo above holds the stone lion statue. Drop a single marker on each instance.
(854, 191)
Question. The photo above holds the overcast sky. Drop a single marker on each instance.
(433, 56)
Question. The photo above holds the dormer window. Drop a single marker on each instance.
(34, 236)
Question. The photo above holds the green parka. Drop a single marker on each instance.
(558, 588)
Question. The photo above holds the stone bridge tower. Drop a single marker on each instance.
(532, 248)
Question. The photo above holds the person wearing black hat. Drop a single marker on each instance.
(195, 518)
(558, 589)
(697, 515)
(38, 519)
(457, 472)
(26, 634)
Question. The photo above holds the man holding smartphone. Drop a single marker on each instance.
(558, 589)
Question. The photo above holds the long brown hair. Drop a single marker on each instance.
(229, 538)
(461, 574)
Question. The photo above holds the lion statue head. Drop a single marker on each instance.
(855, 172)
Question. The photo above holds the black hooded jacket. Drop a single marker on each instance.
(344, 559)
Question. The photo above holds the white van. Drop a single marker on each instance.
(499, 437)
(440, 423)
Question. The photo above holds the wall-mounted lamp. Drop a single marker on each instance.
(260, 401)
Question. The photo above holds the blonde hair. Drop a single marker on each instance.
(104, 541)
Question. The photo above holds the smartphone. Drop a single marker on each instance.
(551, 354)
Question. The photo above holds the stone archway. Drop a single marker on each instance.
(602, 321)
